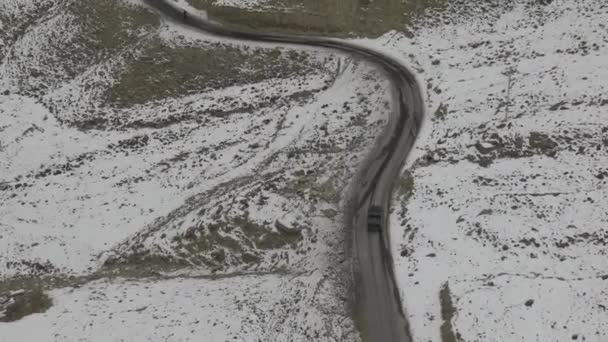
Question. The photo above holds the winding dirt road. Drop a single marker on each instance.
(379, 315)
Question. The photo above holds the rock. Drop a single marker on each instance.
(485, 147)
(475, 45)
(541, 141)
(441, 112)
(559, 105)
(428, 159)
(190, 233)
(4, 186)
(282, 227)
(250, 258)
(529, 302)
(485, 212)
(329, 213)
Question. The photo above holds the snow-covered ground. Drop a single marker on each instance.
(507, 214)
(71, 193)
(251, 308)
(499, 231)
(249, 4)
(237, 169)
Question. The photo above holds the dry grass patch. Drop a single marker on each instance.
(164, 71)
(332, 17)
(75, 36)
(30, 302)
(447, 313)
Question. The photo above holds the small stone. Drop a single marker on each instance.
(559, 105)
(485, 147)
(285, 228)
(541, 141)
(485, 212)
(529, 302)
(16, 293)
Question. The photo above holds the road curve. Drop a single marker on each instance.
(379, 314)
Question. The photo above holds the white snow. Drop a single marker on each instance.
(96, 193)
(508, 205)
(247, 155)
(498, 212)
(244, 308)
(245, 4)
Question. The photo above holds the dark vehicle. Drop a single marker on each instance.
(374, 219)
